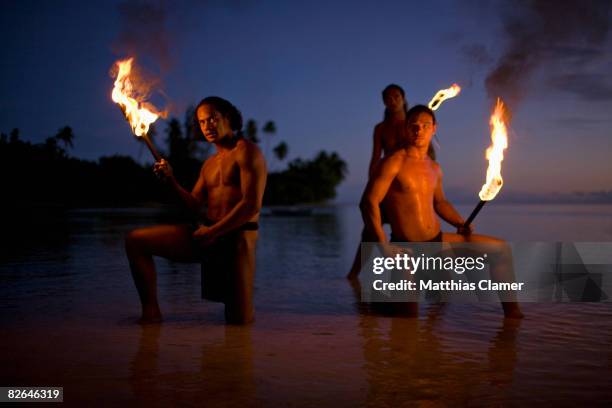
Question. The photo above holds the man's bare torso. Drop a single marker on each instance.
(392, 136)
(223, 188)
(409, 203)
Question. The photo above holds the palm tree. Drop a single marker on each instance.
(14, 135)
(269, 129)
(281, 150)
(65, 136)
(251, 131)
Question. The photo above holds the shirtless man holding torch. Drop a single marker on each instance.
(411, 185)
(389, 136)
(231, 186)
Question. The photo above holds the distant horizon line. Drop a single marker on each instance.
(511, 197)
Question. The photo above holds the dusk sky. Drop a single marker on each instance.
(317, 70)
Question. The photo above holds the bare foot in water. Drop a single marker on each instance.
(150, 314)
(512, 310)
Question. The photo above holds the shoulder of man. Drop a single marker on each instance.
(248, 150)
(208, 160)
(394, 159)
(436, 167)
(379, 127)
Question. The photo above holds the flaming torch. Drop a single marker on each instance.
(442, 95)
(495, 155)
(127, 97)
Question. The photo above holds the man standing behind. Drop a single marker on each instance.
(230, 186)
(389, 136)
(411, 185)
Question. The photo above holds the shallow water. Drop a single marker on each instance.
(69, 308)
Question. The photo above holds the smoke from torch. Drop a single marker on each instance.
(495, 155)
(442, 95)
(127, 97)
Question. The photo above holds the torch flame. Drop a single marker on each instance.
(442, 95)
(495, 152)
(124, 94)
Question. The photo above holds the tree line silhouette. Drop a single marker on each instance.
(44, 174)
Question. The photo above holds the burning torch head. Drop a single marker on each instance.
(217, 119)
(442, 95)
(129, 95)
(495, 152)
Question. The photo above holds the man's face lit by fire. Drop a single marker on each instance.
(393, 100)
(213, 124)
(420, 129)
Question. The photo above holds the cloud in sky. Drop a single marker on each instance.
(591, 87)
(143, 31)
(545, 35)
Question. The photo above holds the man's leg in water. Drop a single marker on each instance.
(169, 241)
(356, 267)
(239, 293)
(503, 270)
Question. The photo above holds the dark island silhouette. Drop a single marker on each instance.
(45, 174)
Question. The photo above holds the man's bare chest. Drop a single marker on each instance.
(416, 178)
(222, 171)
(392, 136)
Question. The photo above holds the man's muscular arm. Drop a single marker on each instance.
(252, 185)
(444, 208)
(376, 151)
(375, 192)
(193, 200)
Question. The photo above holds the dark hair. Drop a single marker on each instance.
(415, 110)
(225, 108)
(401, 91)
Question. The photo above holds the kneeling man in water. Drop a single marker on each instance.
(409, 186)
(230, 186)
